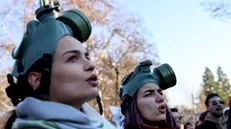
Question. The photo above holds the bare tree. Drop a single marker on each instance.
(220, 9)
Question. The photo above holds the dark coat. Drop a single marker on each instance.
(209, 125)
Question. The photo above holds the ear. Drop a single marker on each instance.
(34, 79)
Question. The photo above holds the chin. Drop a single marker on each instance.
(162, 117)
(217, 114)
(92, 94)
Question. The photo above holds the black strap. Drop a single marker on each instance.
(98, 99)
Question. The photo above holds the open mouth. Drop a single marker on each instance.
(92, 80)
(219, 109)
(162, 108)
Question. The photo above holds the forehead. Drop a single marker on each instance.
(189, 125)
(149, 86)
(175, 114)
(215, 98)
(68, 43)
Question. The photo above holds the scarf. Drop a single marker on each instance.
(221, 122)
(35, 113)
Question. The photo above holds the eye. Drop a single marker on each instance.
(214, 104)
(148, 93)
(160, 92)
(72, 58)
(222, 102)
(87, 56)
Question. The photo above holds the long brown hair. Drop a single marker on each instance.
(133, 119)
(7, 119)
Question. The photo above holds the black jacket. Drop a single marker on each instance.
(209, 125)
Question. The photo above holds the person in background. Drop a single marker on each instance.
(188, 125)
(117, 117)
(215, 117)
(226, 112)
(201, 118)
(229, 115)
(176, 115)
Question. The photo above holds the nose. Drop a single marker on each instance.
(89, 66)
(159, 98)
(220, 105)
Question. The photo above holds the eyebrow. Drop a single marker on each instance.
(216, 101)
(150, 90)
(72, 51)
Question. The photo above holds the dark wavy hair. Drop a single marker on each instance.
(133, 119)
(185, 125)
(209, 96)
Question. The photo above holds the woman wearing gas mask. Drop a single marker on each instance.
(142, 100)
(54, 75)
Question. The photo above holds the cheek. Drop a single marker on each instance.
(210, 108)
(147, 107)
(66, 80)
(66, 73)
(68, 84)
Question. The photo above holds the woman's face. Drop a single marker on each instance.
(189, 126)
(72, 81)
(150, 103)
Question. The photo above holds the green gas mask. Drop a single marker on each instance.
(42, 35)
(162, 75)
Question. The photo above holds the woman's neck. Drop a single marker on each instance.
(75, 105)
(150, 125)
